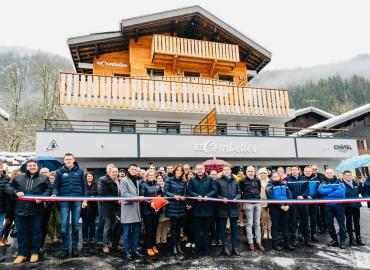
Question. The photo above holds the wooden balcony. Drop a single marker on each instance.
(169, 95)
(180, 49)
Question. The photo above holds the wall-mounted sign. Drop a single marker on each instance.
(111, 64)
(342, 147)
(213, 148)
(326, 148)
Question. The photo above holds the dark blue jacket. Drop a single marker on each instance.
(205, 187)
(366, 189)
(149, 189)
(277, 190)
(332, 189)
(352, 191)
(70, 182)
(313, 186)
(298, 186)
(173, 187)
(229, 189)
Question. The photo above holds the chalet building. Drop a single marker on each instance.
(174, 87)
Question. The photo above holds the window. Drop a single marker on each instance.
(227, 78)
(259, 131)
(221, 129)
(192, 74)
(155, 72)
(122, 126)
(121, 75)
(168, 127)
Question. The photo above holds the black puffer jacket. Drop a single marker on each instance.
(92, 208)
(149, 189)
(250, 188)
(37, 184)
(4, 181)
(109, 188)
(173, 187)
(228, 188)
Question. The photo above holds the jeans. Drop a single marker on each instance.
(88, 228)
(100, 231)
(65, 209)
(279, 219)
(131, 236)
(2, 218)
(234, 231)
(312, 209)
(253, 217)
(151, 226)
(296, 211)
(28, 232)
(336, 211)
(353, 218)
(202, 226)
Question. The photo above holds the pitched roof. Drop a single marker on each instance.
(313, 110)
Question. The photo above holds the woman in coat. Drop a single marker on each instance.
(89, 213)
(176, 209)
(150, 188)
(265, 216)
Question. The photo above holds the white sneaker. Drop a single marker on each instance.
(188, 245)
(193, 245)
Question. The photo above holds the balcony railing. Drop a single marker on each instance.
(194, 48)
(169, 95)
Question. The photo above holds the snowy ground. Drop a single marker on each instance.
(319, 257)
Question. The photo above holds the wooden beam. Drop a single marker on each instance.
(174, 62)
(213, 69)
(96, 50)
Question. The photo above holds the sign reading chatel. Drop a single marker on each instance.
(52, 146)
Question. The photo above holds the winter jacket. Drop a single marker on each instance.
(4, 181)
(109, 188)
(37, 184)
(205, 187)
(173, 187)
(228, 188)
(130, 210)
(298, 186)
(278, 190)
(332, 189)
(250, 188)
(92, 207)
(313, 186)
(366, 189)
(353, 190)
(149, 189)
(70, 182)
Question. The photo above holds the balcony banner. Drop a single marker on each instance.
(208, 125)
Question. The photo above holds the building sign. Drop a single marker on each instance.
(52, 146)
(216, 149)
(111, 64)
(182, 146)
(326, 148)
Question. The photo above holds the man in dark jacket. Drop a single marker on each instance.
(228, 188)
(250, 187)
(321, 207)
(352, 210)
(202, 186)
(298, 186)
(4, 179)
(109, 187)
(70, 181)
(28, 214)
(332, 188)
(313, 193)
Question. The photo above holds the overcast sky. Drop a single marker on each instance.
(297, 32)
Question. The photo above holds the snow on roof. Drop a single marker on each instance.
(314, 110)
(4, 114)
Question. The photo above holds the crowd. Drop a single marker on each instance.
(144, 227)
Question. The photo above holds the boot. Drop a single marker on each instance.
(225, 251)
(265, 234)
(250, 247)
(333, 243)
(275, 245)
(308, 243)
(351, 240)
(293, 242)
(342, 244)
(235, 252)
(75, 252)
(314, 238)
(359, 241)
(260, 247)
(19, 259)
(289, 247)
(269, 234)
(34, 258)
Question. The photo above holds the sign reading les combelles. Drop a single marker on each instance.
(210, 146)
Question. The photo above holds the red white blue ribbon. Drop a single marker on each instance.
(141, 198)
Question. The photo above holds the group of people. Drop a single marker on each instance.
(182, 211)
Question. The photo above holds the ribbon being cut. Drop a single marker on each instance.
(159, 202)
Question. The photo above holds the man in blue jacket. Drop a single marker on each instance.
(298, 186)
(313, 193)
(70, 181)
(352, 210)
(332, 188)
(202, 186)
